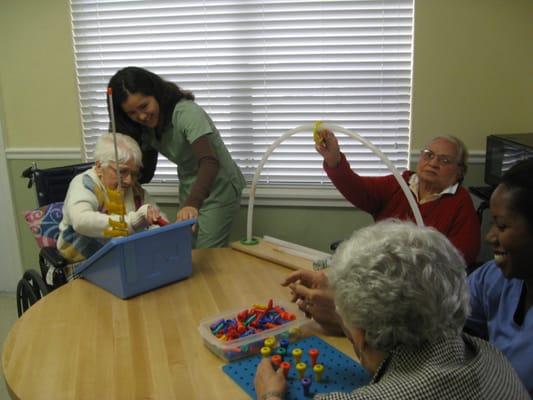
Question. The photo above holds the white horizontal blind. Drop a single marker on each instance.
(260, 68)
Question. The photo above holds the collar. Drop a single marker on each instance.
(414, 182)
(382, 368)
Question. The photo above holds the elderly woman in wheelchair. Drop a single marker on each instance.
(85, 225)
(85, 217)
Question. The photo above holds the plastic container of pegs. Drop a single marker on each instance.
(250, 345)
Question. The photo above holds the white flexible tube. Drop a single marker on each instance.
(309, 127)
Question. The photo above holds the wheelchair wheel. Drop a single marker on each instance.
(37, 283)
(25, 296)
(29, 290)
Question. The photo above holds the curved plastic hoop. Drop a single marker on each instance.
(309, 127)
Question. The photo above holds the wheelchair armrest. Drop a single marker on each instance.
(333, 246)
(53, 267)
(52, 256)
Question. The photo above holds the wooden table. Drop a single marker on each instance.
(81, 342)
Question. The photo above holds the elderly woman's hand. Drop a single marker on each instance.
(269, 384)
(152, 215)
(329, 148)
(310, 290)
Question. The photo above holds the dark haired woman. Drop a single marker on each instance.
(165, 119)
(501, 291)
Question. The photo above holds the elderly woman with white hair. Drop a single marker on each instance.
(402, 298)
(436, 185)
(85, 217)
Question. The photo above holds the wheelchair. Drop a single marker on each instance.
(51, 186)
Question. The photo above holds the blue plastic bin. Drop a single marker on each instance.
(130, 265)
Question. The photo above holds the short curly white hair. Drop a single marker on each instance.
(127, 147)
(402, 284)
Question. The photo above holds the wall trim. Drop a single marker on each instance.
(300, 196)
(46, 153)
(66, 153)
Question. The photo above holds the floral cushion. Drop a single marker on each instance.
(44, 223)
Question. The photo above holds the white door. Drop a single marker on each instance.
(10, 260)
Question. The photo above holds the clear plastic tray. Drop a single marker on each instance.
(250, 345)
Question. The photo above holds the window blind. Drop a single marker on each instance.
(260, 68)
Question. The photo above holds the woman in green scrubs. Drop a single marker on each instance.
(165, 119)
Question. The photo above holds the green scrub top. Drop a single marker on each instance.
(189, 122)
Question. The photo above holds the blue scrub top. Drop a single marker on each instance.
(494, 300)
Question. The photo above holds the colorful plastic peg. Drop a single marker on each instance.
(306, 384)
(266, 351)
(300, 369)
(297, 355)
(285, 366)
(276, 361)
(282, 351)
(318, 369)
(313, 354)
(271, 339)
(284, 343)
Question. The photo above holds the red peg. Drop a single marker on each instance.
(313, 354)
(276, 361)
(285, 366)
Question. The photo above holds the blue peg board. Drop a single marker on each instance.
(341, 373)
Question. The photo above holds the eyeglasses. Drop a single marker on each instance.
(428, 155)
(125, 172)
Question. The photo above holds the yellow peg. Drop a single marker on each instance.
(318, 137)
(297, 354)
(318, 369)
(266, 351)
(300, 369)
(270, 342)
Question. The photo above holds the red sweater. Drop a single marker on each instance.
(451, 214)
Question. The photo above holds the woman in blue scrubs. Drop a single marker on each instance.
(502, 289)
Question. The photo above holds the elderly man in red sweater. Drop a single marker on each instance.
(436, 185)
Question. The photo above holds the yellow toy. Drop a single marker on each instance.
(270, 342)
(318, 136)
(297, 354)
(318, 369)
(266, 351)
(114, 202)
(300, 369)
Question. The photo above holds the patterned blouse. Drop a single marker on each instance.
(463, 367)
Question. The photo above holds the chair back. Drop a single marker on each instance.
(51, 184)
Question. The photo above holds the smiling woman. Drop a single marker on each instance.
(401, 297)
(436, 185)
(502, 290)
(164, 119)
